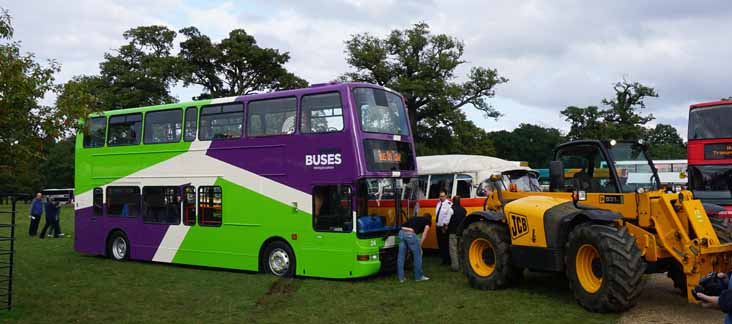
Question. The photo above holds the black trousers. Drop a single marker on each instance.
(33, 229)
(54, 227)
(443, 243)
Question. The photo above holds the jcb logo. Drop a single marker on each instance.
(520, 226)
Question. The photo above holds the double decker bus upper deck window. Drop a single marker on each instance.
(381, 111)
(710, 122)
(95, 131)
(388, 155)
(124, 129)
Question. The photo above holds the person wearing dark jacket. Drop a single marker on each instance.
(52, 211)
(723, 301)
(36, 211)
(458, 215)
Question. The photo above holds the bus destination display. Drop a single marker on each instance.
(718, 151)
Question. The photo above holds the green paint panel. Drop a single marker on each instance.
(113, 163)
(249, 219)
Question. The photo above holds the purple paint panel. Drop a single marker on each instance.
(303, 160)
(92, 232)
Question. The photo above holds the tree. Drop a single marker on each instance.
(531, 143)
(234, 66)
(585, 123)
(421, 66)
(664, 134)
(58, 167)
(26, 127)
(142, 71)
(621, 120)
(728, 98)
(463, 138)
(665, 143)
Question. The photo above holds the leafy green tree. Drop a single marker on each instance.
(141, 72)
(728, 98)
(234, 66)
(422, 67)
(585, 123)
(463, 138)
(621, 120)
(665, 143)
(531, 143)
(58, 167)
(26, 126)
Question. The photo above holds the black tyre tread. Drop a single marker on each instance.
(623, 267)
(504, 274)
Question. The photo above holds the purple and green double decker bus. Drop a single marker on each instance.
(307, 182)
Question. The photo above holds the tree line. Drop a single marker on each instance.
(37, 141)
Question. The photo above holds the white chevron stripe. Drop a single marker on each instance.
(171, 243)
(199, 169)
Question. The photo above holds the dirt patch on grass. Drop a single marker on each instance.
(282, 288)
(662, 303)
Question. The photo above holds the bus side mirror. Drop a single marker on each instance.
(556, 176)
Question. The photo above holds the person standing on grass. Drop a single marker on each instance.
(443, 212)
(36, 211)
(458, 215)
(52, 211)
(408, 238)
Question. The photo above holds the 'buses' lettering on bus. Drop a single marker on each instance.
(323, 161)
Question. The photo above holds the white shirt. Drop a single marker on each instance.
(445, 213)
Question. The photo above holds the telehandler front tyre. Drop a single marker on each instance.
(486, 250)
(604, 268)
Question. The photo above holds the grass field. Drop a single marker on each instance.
(55, 284)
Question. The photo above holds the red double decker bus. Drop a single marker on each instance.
(710, 153)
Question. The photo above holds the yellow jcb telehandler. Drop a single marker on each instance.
(604, 224)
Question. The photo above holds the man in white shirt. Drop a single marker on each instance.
(443, 212)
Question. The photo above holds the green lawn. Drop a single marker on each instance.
(55, 284)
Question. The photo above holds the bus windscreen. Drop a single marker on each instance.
(710, 122)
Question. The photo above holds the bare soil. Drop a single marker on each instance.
(662, 303)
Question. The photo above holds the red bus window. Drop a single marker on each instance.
(209, 206)
(189, 206)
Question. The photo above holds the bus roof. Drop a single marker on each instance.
(712, 103)
(319, 87)
(484, 166)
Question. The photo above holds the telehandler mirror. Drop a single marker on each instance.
(556, 176)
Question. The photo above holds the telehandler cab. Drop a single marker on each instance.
(603, 224)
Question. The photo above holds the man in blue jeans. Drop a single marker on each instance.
(408, 237)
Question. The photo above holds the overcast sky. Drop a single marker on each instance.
(555, 53)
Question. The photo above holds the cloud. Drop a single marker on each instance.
(556, 53)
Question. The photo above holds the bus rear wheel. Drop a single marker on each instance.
(118, 246)
(279, 259)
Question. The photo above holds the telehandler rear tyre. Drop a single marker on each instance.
(486, 249)
(604, 268)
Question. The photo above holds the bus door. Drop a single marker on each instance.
(329, 249)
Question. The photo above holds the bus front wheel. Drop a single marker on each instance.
(118, 247)
(279, 259)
